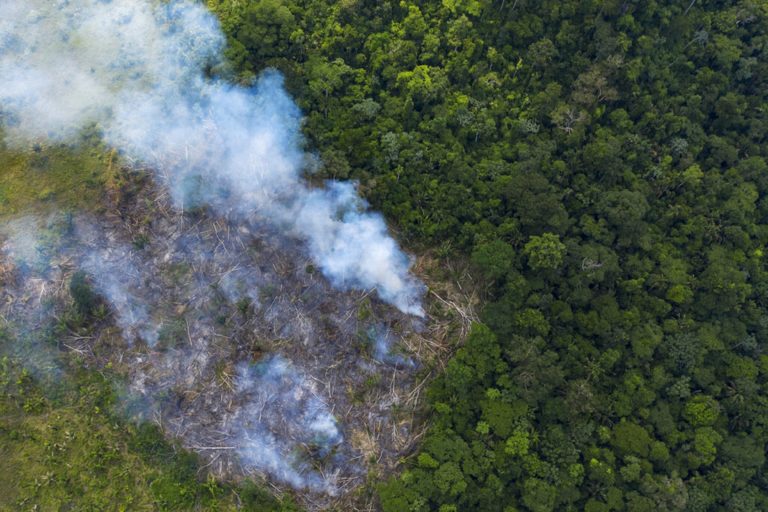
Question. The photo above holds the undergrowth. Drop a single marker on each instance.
(68, 450)
(49, 177)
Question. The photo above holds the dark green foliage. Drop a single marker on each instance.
(603, 164)
(257, 498)
(84, 297)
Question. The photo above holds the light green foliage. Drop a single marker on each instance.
(705, 444)
(469, 6)
(426, 461)
(701, 410)
(545, 251)
(518, 444)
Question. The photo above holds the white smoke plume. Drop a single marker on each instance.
(275, 390)
(135, 69)
(114, 277)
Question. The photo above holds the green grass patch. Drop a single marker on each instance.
(42, 178)
(71, 452)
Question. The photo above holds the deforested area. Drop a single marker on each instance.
(268, 326)
(221, 335)
(459, 255)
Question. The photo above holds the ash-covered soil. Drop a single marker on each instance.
(225, 334)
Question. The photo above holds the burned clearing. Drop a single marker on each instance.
(224, 333)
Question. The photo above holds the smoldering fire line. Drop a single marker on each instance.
(243, 353)
(134, 68)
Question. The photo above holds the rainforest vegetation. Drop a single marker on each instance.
(602, 166)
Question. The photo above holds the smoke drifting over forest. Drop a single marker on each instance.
(136, 71)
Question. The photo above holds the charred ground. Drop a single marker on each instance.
(224, 335)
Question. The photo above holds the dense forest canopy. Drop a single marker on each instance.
(603, 165)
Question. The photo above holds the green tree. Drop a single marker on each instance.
(545, 251)
(267, 29)
(538, 495)
(701, 410)
(84, 297)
